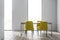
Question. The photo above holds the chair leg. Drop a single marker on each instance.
(26, 33)
(32, 33)
(38, 32)
(46, 33)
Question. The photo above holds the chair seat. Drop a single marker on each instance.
(29, 25)
(42, 25)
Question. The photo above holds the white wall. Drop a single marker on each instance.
(19, 13)
(1, 19)
(58, 15)
(50, 12)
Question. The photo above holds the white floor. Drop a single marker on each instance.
(14, 35)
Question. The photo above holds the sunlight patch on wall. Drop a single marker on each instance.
(34, 10)
(7, 14)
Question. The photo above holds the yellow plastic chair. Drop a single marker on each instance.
(42, 26)
(29, 27)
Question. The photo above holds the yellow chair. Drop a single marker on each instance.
(29, 27)
(42, 26)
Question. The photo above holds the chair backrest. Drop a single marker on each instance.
(29, 25)
(41, 25)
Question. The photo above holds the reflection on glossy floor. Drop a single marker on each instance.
(13, 35)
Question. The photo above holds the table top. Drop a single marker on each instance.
(35, 23)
